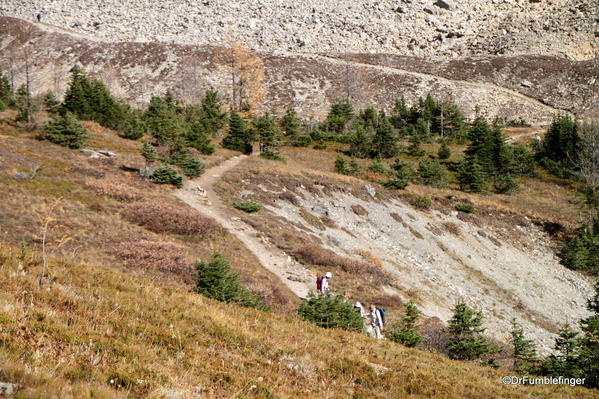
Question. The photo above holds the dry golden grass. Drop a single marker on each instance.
(94, 215)
(95, 332)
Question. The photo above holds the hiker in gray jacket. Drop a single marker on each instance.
(376, 321)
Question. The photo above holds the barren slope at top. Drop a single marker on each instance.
(422, 28)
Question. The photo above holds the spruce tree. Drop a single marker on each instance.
(589, 352)
(384, 141)
(444, 151)
(414, 149)
(213, 279)
(24, 104)
(432, 173)
(212, 116)
(339, 115)
(238, 137)
(562, 142)
(133, 127)
(65, 130)
(471, 176)
(149, 152)
(5, 90)
(566, 361)
(290, 124)
(466, 341)
(51, 104)
(196, 136)
(525, 354)
(330, 312)
(360, 146)
(406, 332)
(267, 133)
(162, 120)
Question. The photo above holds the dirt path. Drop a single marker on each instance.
(200, 195)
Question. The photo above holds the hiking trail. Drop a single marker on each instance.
(200, 195)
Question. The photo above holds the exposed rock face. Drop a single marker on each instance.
(409, 27)
(309, 83)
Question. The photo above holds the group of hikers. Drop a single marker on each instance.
(374, 318)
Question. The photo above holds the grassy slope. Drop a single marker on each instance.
(96, 332)
(99, 322)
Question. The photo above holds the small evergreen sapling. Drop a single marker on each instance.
(525, 354)
(214, 279)
(406, 333)
(330, 312)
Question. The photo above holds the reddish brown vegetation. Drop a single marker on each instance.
(117, 191)
(162, 256)
(323, 257)
(166, 218)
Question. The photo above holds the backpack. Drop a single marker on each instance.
(319, 282)
(383, 314)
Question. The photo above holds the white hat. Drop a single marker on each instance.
(358, 304)
(328, 275)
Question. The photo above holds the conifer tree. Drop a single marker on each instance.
(589, 353)
(360, 146)
(525, 354)
(162, 120)
(384, 141)
(268, 133)
(369, 118)
(149, 152)
(401, 116)
(65, 130)
(5, 90)
(197, 137)
(406, 333)
(51, 103)
(330, 312)
(339, 115)
(238, 138)
(566, 361)
(470, 175)
(432, 173)
(414, 148)
(466, 341)
(290, 124)
(212, 116)
(24, 104)
(133, 127)
(444, 151)
(562, 142)
(214, 279)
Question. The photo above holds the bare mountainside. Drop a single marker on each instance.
(530, 87)
(566, 28)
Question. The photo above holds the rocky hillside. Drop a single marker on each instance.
(566, 28)
(530, 87)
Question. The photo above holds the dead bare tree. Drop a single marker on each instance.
(46, 219)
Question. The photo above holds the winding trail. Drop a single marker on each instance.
(200, 195)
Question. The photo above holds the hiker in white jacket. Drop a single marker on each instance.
(324, 285)
(376, 321)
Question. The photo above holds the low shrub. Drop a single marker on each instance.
(273, 156)
(248, 206)
(117, 191)
(166, 218)
(323, 257)
(167, 175)
(466, 208)
(150, 255)
(422, 202)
